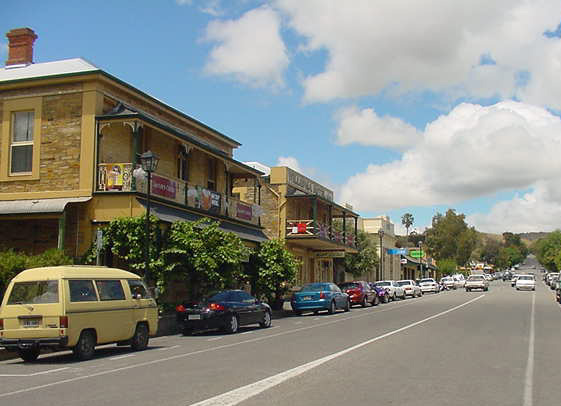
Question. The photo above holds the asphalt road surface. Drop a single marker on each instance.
(500, 347)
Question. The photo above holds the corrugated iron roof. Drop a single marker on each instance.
(45, 69)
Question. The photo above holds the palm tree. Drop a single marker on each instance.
(407, 220)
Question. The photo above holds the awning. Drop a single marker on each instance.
(38, 206)
(171, 215)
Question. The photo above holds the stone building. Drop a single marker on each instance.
(383, 228)
(71, 135)
(302, 213)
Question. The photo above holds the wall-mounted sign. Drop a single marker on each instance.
(163, 187)
(307, 185)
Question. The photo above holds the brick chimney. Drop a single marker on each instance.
(20, 46)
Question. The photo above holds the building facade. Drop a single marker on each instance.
(71, 135)
(303, 214)
(383, 229)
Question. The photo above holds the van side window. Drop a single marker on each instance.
(82, 290)
(110, 290)
(137, 287)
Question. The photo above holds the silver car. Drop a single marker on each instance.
(429, 285)
(526, 282)
(476, 282)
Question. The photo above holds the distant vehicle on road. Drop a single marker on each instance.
(429, 285)
(448, 282)
(314, 297)
(410, 287)
(476, 282)
(394, 290)
(526, 282)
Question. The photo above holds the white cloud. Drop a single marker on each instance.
(473, 151)
(365, 127)
(432, 45)
(533, 211)
(250, 49)
(291, 162)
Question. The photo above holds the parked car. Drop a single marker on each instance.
(558, 292)
(448, 282)
(429, 285)
(410, 287)
(76, 307)
(359, 293)
(476, 282)
(383, 295)
(553, 281)
(226, 310)
(526, 282)
(459, 279)
(319, 296)
(394, 290)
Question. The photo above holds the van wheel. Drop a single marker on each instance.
(139, 341)
(29, 355)
(85, 347)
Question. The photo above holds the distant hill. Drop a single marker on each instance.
(531, 237)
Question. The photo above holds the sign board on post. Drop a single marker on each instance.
(417, 253)
(397, 251)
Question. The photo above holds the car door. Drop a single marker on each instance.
(247, 307)
(338, 295)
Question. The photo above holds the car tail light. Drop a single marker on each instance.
(63, 321)
(1, 324)
(180, 308)
(216, 307)
(322, 295)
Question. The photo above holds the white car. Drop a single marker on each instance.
(448, 282)
(410, 287)
(526, 282)
(459, 280)
(476, 282)
(393, 288)
(429, 285)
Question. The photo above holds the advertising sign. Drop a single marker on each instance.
(163, 187)
(243, 211)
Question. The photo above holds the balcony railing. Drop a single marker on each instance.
(117, 177)
(306, 228)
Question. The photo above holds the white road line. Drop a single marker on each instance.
(122, 356)
(529, 380)
(215, 338)
(168, 348)
(236, 396)
(247, 332)
(35, 373)
(220, 347)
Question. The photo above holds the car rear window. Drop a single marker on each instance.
(426, 281)
(526, 278)
(403, 283)
(35, 292)
(383, 284)
(314, 287)
(475, 278)
(349, 286)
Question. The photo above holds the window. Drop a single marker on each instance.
(110, 290)
(20, 139)
(137, 287)
(82, 291)
(34, 292)
(182, 165)
(211, 185)
(21, 145)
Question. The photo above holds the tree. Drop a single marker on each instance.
(272, 270)
(204, 256)
(407, 220)
(366, 259)
(447, 266)
(450, 237)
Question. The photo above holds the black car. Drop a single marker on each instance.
(226, 310)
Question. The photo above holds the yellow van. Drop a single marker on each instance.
(76, 307)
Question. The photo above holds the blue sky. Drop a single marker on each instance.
(398, 107)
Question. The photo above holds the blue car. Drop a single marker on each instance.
(314, 297)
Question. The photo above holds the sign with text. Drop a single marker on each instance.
(417, 253)
(163, 187)
(397, 251)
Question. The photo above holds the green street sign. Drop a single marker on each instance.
(417, 254)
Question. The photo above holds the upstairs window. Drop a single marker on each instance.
(21, 146)
(211, 185)
(182, 166)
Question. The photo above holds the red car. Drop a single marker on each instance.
(359, 293)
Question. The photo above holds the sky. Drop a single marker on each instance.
(397, 106)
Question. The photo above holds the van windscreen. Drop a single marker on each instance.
(35, 292)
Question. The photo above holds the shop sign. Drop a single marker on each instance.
(330, 254)
(163, 187)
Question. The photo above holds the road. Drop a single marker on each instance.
(500, 347)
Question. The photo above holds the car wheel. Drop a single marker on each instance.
(386, 299)
(266, 323)
(140, 339)
(85, 346)
(467, 290)
(364, 302)
(316, 312)
(331, 309)
(28, 354)
(232, 324)
(348, 306)
(394, 297)
(187, 331)
(376, 301)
